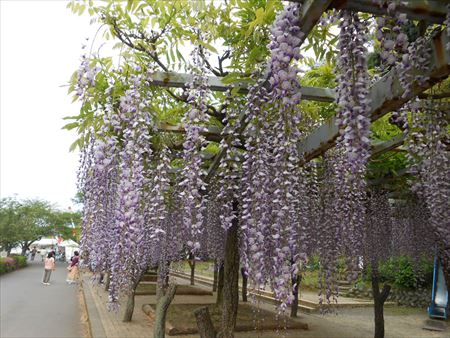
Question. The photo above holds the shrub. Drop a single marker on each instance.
(7, 264)
(12, 263)
(401, 273)
(313, 263)
(21, 261)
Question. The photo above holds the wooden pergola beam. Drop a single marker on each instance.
(385, 96)
(180, 80)
(432, 11)
(383, 147)
(211, 133)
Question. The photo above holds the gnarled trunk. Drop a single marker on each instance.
(191, 262)
(295, 285)
(204, 323)
(231, 277)
(164, 298)
(107, 281)
(244, 284)
(216, 272)
(219, 298)
(129, 309)
(378, 298)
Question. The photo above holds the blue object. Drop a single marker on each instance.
(439, 296)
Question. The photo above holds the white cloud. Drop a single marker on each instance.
(40, 48)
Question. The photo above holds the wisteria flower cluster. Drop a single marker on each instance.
(394, 42)
(85, 77)
(429, 157)
(353, 143)
(269, 219)
(192, 185)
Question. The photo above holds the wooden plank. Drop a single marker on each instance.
(310, 14)
(385, 96)
(393, 143)
(180, 80)
(211, 133)
(432, 11)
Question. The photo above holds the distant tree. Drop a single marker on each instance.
(9, 235)
(65, 224)
(24, 222)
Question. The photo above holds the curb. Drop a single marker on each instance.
(96, 329)
(84, 321)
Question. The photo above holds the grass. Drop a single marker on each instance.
(402, 310)
(182, 319)
(309, 280)
(201, 268)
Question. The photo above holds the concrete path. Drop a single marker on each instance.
(31, 309)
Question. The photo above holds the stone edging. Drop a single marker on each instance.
(413, 298)
(96, 329)
(85, 322)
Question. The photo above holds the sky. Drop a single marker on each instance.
(40, 48)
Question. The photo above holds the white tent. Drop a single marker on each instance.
(70, 247)
(69, 243)
(44, 242)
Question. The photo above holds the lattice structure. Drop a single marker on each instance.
(385, 94)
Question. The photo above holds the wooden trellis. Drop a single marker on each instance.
(385, 95)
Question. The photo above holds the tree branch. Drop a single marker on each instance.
(385, 292)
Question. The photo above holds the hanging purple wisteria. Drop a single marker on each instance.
(353, 143)
(192, 185)
(430, 159)
(269, 223)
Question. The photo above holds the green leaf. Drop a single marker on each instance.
(74, 145)
(207, 46)
(71, 126)
(235, 90)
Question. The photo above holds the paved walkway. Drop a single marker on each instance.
(31, 309)
(104, 323)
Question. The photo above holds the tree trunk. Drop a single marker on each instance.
(129, 309)
(107, 281)
(204, 323)
(130, 302)
(244, 284)
(219, 299)
(24, 249)
(295, 285)
(162, 304)
(231, 277)
(378, 299)
(192, 266)
(216, 271)
(166, 280)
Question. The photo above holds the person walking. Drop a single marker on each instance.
(33, 253)
(73, 268)
(49, 266)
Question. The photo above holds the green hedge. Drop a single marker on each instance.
(11, 263)
(401, 273)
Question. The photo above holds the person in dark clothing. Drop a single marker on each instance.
(33, 253)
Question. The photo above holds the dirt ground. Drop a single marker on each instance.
(400, 322)
(358, 323)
